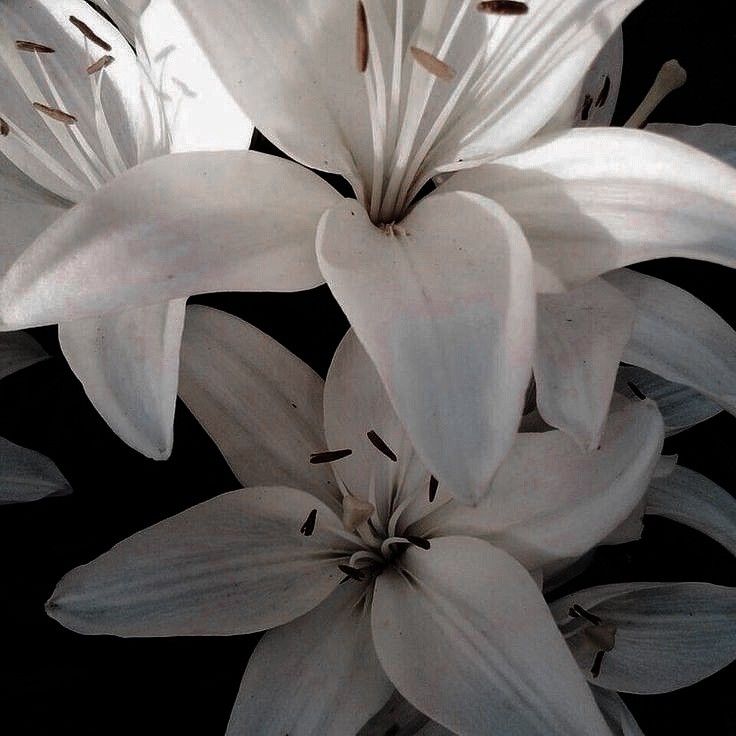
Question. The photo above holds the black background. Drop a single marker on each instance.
(56, 682)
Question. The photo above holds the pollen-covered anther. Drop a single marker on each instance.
(55, 113)
(432, 64)
(4, 128)
(307, 528)
(361, 38)
(420, 542)
(89, 34)
(100, 64)
(329, 456)
(39, 48)
(381, 446)
(503, 7)
(434, 484)
(355, 512)
(352, 572)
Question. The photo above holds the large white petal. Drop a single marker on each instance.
(26, 475)
(233, 565)
(595, 199)
(200, 113)
(175, 226)
(692, 499)
(678, 337)
(128, 363)
(581, 335)
(714, 138)
(465, 635)
(444, 305)
(681, 406)
(550, 501)
(668, 635)
(125, 14)
(617, 715)
(312, 679)
(260, 404)
(17, 351)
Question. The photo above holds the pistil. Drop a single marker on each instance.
(670, 77)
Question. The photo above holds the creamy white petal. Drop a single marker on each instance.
(617, 715)
(18, 350)
(542, 517)
(125, 14)
(175, 226)
(316, 676)
(261, 405)
(678, 337)
(692, 499)
(714, 138)
(233, 565)
(26, 475)
(581, 335)
(667, 635)
(201, 115)
(443, 303)
(465, 635)
(595, 199)
(128, 364)
(681, 406)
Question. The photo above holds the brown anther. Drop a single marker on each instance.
(595, 669)
(587, 104)
(89, 34)
(636, 390)
(432, 64)
(100, 64)
(381, 446)
(503, 7)
(4, 128)
(603, 94)
(31, 46)
(420, 542)
(329, 456)
(352, 572)
(361, 38)
(434, 484)
(308, 526)
(579, 612)
(55, 114)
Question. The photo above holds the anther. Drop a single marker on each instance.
(89, 34)
(55, 114)
(636, 390)
(603, 94)
(595, 669)
(352, 572)
(4, 128)
(420, 542)
(432, 64)
(330, 456)
(670, 77)
(100, 64)
(308, 526)
(503, 7)
(434, 484)
(31, 46)
(361, 38)
(587, 104)
(381, 446)
(579, 612)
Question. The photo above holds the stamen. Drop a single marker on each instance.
(579, 612)
(636, 390)
(328, 457)
(55, 114)
(361, 38)
(308, 526)
(503, 7)
(603, 94)
(352, 572)
(432, 64)
(420, 542)
(670, 77)
(381, 446)
(595, 670)
(4, 128)
(434, 484)
(89, 34)
(100, 64)
(587, 104)
(39, 48)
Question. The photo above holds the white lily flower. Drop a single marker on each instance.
(436, 599)
(446, 316)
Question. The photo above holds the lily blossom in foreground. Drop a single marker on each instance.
(408, 577)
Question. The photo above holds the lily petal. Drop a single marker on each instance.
(668, 635)
(233, 565)
(681, 407)
(125, 14)
(542, 518)
(293, 663)
(465, 635)
(26, 475)
(714, 138)
(447, 316)
(692, 499)
(17, 351)
(678, 337)
(617, 715)
(261, 405)
(128, 364)
(581, 336)
(595, 199)
(177, 225)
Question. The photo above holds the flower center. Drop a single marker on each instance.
(415, 97)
